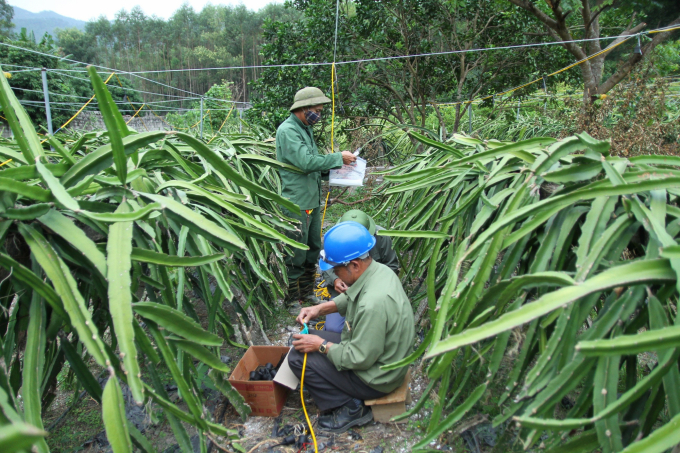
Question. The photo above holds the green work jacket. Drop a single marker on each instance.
(381, 252)
(295, 145)
(379, 328)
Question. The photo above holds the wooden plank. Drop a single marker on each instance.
(383, 413)
(397, 396)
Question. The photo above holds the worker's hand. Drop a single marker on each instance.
(307, 313)
(340, 286)
(348, 158)
(307, 343)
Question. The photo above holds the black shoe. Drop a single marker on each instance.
(345, 417)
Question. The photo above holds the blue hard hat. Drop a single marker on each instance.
(344, 242)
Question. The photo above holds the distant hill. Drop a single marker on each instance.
(44, 21)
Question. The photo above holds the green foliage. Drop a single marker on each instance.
(29, 89)
(216, 108)
(6, 15)
(542, 260)
(216, 36)
(116, 235)
(573, 20)
(398, 90)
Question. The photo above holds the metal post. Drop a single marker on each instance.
(518, 102)
(240, 121)
(470, 118)
(201, 117)
(46, 94)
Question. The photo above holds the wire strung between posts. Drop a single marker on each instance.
(367, 60)
(78, 112)
(134, 90)
(396, 57)
(541, 78)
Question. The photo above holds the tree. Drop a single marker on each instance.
(399, 90)
(6, 15)
(68, 93)
(216, 36)
(567, 20)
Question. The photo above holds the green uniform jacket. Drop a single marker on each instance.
(295, 145)
(379, 328)
(382, 252)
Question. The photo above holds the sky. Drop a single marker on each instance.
(89, 9)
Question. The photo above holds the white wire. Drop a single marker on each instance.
(179, 98)
(96, 66)
(41, 104)
(61, 72)
(396, 57)
(93, 103)
(365, 60)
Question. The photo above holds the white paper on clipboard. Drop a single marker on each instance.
(349, 175)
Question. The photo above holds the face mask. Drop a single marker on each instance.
(312, 117)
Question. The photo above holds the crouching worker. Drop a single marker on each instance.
(382, 252)
(343, 370)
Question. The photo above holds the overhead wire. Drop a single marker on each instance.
(502, 93)
(363, 60)
(333, 65)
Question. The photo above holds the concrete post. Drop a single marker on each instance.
(46, 95)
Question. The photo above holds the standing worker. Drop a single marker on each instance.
(295, 145)
(382, 252)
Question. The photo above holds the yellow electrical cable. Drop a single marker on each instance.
(6, 162)
(82, 108)
(549, 75)
(133, 116)
(223, 123)
(304, 408)
(664, 30)
(333, 106)
(324, 210)
(161, 118)
(325, 206)
(197, 122)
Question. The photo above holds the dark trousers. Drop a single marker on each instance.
(304, 261)
(329, 387)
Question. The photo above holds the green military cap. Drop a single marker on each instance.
(308, 97)
(355, 215)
